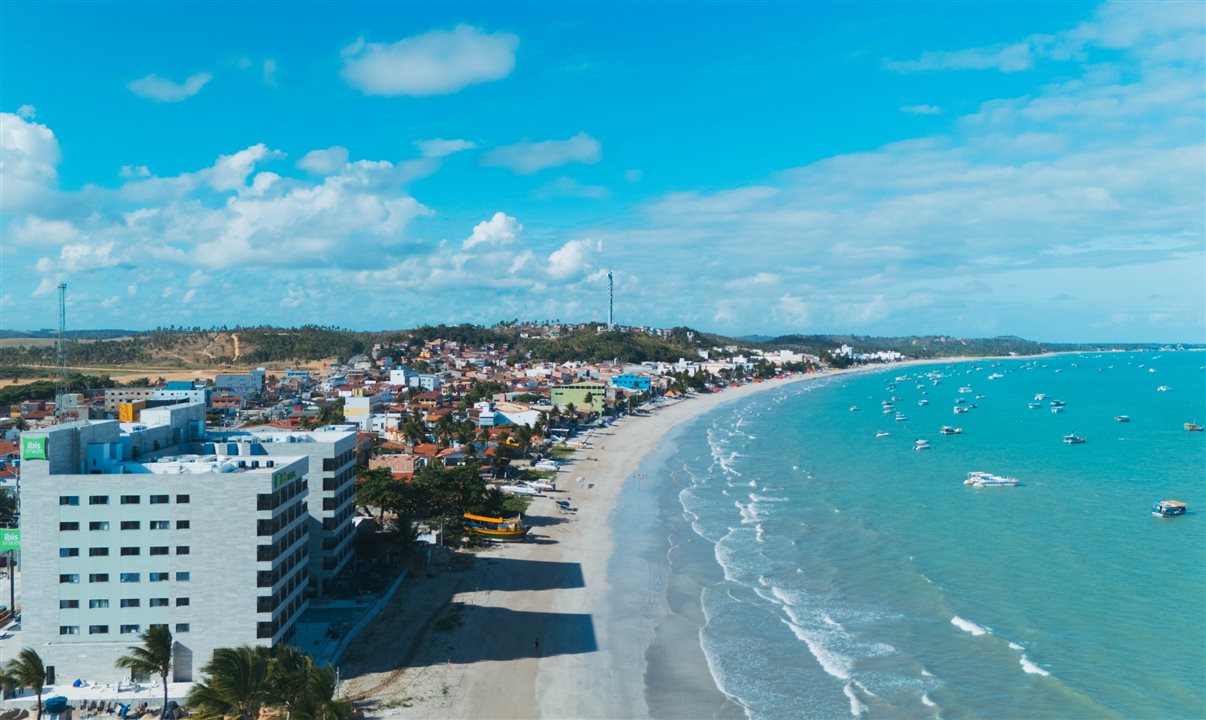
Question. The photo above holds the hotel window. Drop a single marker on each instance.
(182, 499)
(160, 499)
(130, 602)
(68, 604)
(97, 604)
(128, 551)
(129, 629)
(98, 525)
(181, 602)
(181, 627)
(98, 500)
(182, 525)
(160, 524)
(130, 577)
(131, 525)
(65, 526)
(98, 629)
(69, 552)
(159, 550)
(69, 500)
(98, 577)
(130, 500)
(159, 576)
(182, 549)
(69, 629)
(69, 578)
(158, 602)
(98, 552)
(182, 577)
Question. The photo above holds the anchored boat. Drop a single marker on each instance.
(1168, 508)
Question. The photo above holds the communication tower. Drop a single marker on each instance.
(60, 380)
(611, 297)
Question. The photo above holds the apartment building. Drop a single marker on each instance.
(121, 531)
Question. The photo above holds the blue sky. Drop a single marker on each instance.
(964, 168)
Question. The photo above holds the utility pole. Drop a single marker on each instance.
(60, 389)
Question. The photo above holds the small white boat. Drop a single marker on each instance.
(1057, 409)
(920, 444)
(519, 490)
(1034, 405)
(881, 433)
(948, 430)
(1040, 396)
(981, 479)
(1122, 418)
(965, 389)
(1074, 439)
(961, 409)
(541, 484)
(1163, 388)
(854, 408)
(923, 402)
(900, 417)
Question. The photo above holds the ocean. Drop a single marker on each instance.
(836, 573)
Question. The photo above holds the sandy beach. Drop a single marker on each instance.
(527, 630)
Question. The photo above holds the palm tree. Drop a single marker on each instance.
(27, 670)
(235, 683)
(289, 678)
(319, 701)
(153, 657)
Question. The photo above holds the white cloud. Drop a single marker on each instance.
(132, 289)
(230, 171)
(569, 187)
(434, 63)
(571, 259)
(189, 296)
(27, 112)
(33, 230)
(501, 229)
(161, 89)
(1006, 58)
(135, 171)
(792, 311)
(270, 72)
(29, 154)
(78, 257)
(527, 157)
(921, 109)
(324, 162)
(438, 147)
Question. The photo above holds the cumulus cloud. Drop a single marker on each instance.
(230, 172)
(921, 109)
(269, 72)
(324, 162)
(501, 229)
(29, 155)
(571, 259)
(528, 157)
(134, 171)
(1006, 58)
(33, 230)
(438, 147)
(154, 87)
(27, 112)
(434, 63)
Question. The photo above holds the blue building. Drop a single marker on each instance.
(629, 381)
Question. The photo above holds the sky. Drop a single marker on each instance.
(970, 169)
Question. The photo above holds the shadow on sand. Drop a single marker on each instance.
(510, 574)
(510, 635)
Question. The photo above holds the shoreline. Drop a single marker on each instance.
(537, 629)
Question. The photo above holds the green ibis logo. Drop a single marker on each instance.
(33, 448)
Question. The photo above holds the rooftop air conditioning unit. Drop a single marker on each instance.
(255, 463)
(271, 463)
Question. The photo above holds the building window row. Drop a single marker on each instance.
(73, 500)
(101, 525)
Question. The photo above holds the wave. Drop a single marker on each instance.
(1031, 668)
(831, 661)
(1015, 646)
(857, 708)
(767, 498)
(925, 700)
(970, 627)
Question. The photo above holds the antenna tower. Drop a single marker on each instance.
(611, 298)
(61, 351)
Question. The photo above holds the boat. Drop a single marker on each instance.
(981, 479)
(1040, 396)
(1168, 508)
(1034, 405)
(1074, 439)
(546, 465)
(948, 430)
(1057, 409)
(1058, 403)
(965, 389)
(882, 433)
(1122, 418)
(960, 409)
(497, 528)
(519, 490)
(900, 417)
(995, 376)
(1163, 388)
(854, 408)
(541, 484)
(1194, 427)
(923, 402)
(920, 444)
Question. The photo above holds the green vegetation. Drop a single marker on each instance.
(241, 682)
(153, 657)
(25, 671)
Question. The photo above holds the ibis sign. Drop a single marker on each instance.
(33, 448)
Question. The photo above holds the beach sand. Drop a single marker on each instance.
(532, 629)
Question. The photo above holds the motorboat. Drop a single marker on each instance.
(1034, 405)
(1058, 403)
(981, 479)
(960, 409)
(854, 408)
(496, 528)
(1122, 418)
(1163, 388)
(948, 430)
(900, 417)
(920, 444)
(1168, 508)
(1194, 427)
(1056, 409)
(1040, 396)
(545, 485)
(1074, 439)
(882, 433)
(923, 402)
(519, 490)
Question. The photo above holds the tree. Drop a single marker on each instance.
(27, 670)
(318, 702)
(153, 657)
(375, 489)
(289, 679)
(236, 683)
(8, 507)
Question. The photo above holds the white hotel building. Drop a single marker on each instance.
(130, 525)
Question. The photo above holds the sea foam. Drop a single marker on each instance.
(969, 626)
(1031, 668)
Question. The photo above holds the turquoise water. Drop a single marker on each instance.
(861, 577)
